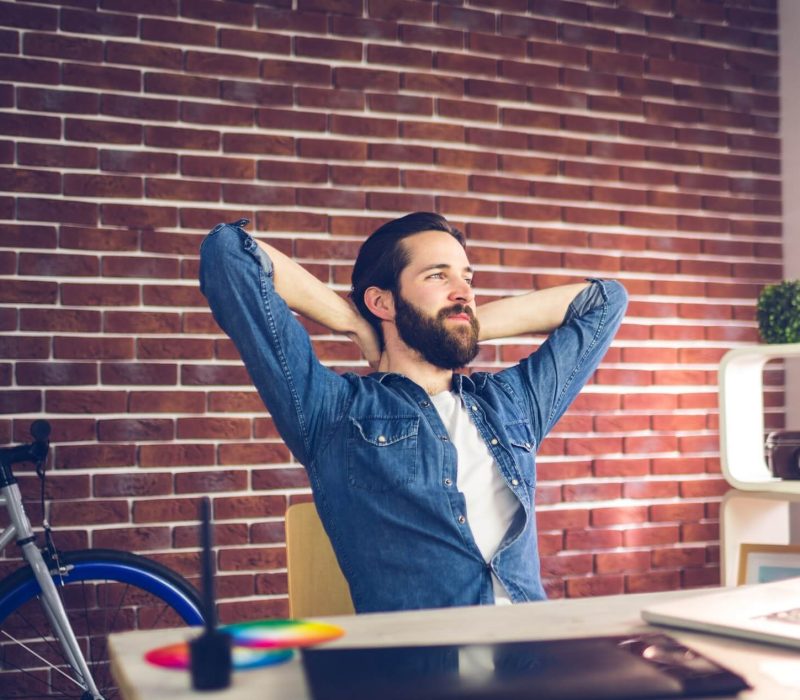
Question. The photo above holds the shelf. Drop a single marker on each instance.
(742, 418)
(754, 517)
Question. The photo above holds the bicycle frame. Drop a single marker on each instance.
(21, 530)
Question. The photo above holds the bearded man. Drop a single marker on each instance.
(424, 477)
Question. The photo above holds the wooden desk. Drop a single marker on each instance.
(550, 620)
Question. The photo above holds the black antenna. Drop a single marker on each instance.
(207, 565)
(210, 652)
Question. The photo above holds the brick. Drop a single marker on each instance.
(210, 481)
(78, 185)
(92, 348)
(328, 48)
(30, 125)
(140, 322)
(168, 8)
(88, 512)
(139, 539)
(55, 373)
(433, 83)
(256, 93)
(224, 534)
(494, 44)
(138, 373)
(622, 562)
(174, 32)
(468, 20)
(55, 156)
(221, 64)
(143, 55)
(595, 586)
(23, 180)
(215, 11)
(24, 347)
(251, 453)
(279, 478)
(138, 216)
(57, 46)
(262, 42)
(175, 455)
(400, 10)
(61, 211)
(13, 402)
(30, 70)
(650, 582)
(177, 84)
(164, 510)
(101, 131)
(238, 507)
(283, 171)
(170, 137)
(365, 79)
(101, 77)
(28, 16)
(95, 239)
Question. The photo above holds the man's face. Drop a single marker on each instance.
(434, 305)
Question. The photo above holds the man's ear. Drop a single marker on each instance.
(380, 302)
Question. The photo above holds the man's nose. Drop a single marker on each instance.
(462, 292)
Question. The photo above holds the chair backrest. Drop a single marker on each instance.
(316, 584)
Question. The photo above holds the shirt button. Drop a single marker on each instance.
(448, 482)
(425, 404)
(474, 408)
(381, 438)
(493, 441)
(462, 519)
(444, 438)
(514, 482)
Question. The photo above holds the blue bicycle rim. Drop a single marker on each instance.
(107, 571)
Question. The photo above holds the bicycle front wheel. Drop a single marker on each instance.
(103, 591)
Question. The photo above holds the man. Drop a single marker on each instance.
(423, 477)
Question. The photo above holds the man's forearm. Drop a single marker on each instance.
(540, 311)
(306, 295)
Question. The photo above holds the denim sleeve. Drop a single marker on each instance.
(548, 380)
(303, 396)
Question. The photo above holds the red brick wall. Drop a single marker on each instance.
(635, 139)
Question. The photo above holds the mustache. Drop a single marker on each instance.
(457, 309)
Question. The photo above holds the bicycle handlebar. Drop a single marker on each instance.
(35, 451)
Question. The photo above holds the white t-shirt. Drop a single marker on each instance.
(491, 505)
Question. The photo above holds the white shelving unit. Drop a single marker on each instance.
(761, 508)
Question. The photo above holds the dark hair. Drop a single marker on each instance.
(382, 258)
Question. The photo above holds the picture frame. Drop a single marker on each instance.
(761, 563)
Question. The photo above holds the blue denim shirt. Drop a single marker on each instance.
(381, 465)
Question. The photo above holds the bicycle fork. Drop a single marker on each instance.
(51, 601)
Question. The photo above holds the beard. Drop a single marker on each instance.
(447, 348)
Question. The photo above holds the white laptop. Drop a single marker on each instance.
(765, 612)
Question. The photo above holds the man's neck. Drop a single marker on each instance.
(411, 364)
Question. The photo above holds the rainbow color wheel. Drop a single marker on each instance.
(281, 634)
(176, 657)
(255, 644)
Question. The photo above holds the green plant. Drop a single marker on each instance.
(778, 312)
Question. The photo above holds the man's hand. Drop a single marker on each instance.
(367, 340)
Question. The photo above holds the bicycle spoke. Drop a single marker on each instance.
(41, 658)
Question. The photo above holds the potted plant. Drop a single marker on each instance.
(778, 312)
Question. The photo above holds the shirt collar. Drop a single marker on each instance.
(461, 382)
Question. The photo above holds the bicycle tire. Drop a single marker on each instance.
(103, 591)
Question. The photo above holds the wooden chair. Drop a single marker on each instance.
(316, 583)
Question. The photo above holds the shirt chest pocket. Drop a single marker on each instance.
(382, 452)
(523, 449)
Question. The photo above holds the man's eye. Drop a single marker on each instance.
(468, 280)
(436, 275)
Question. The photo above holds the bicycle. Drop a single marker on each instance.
(57, 611)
